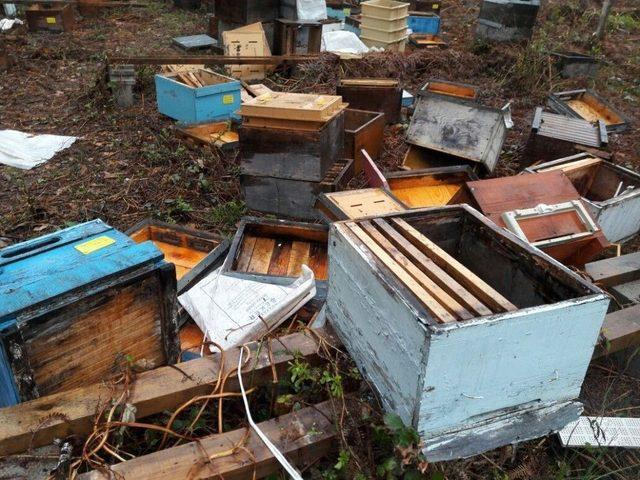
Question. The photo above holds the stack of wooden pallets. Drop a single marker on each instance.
(292, 149)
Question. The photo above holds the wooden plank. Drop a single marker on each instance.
(442, 297)
(280, 258)
(318, 260)
(478, 287)
(299, 256)
(261, 256)
(248, 244)
(370, 82)
(429, 267)
(355, 204)
(431, 304)
(614, 271)
(620, 330)
(303, 436)
(209, 59)
(38, 422)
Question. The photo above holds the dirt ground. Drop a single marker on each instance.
(128, 163)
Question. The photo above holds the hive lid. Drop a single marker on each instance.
(44, 268)
(292, 106)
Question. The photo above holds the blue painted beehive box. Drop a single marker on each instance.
(424, 23)
(218, 99)
(77, 302)
(470, 335)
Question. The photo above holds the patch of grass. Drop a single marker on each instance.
(226, 215)
(624, 22)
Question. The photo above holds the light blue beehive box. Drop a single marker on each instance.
(218, 100)
(426, 23)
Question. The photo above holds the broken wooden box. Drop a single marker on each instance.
(554, 136)
(373, 94)
(452, 89)
(50, 18)
(427, 41)
(273, 251)
(473, 337)
(197, 96)
(355, 204)
(544, 210)
(507, 20)
(222, 135)
(362, 130)
(456, 131)
(434, 187)
(74, 303)
(588, 105)
(610, 192)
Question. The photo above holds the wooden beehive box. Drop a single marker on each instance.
(77, 301)
(458, 128)
(568, 234)
(555, 136)
(355, 204)
(373, 94)
(50, 18)
(247, 11)
(452, 89)
(588, 105)
(507, 20)
(473, 337)
(274, 251)
(247, 41)
(362, 130)
(433, 187)
(610, 192)
(291, 197)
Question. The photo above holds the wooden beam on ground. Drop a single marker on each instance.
(621, 330)
(303, 437)
(38, 422)
(614, 271)
(208, 60)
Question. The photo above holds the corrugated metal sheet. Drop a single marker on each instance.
(569, 129)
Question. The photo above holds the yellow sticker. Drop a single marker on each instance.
(346, 11)
(51, 20)
(94, 245)
(227, 99)
(435, 6)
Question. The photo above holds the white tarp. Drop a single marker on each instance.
(232, 311)
(8, 23)
(312, 9)
(343, 42)
(24, 150)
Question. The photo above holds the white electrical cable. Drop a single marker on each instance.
(274, 450)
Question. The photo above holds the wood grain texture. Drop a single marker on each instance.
(303, 437)
(462, 274)
(620, 330)
(261, 256)
(616, 270)
(155, 391)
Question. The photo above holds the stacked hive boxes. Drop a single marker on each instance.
(292, 149)
(384, 24)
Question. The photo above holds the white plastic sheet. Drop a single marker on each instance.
(343, 42)
(24, 150)
(8, 23)
(312, 9)
(232, 311)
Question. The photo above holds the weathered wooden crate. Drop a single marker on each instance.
(50, 18)
(362, 130)
(555, 136)
(427, 41)
(250, 41)
(356, 204)
(374, 95)
(459, 128)
(433, 187)
(221, 135)
(472, 336)
(563, 228)
(296, 154)
(304, 107)
(274, 251)
(293, 198)
(507, 20)
(247, 11)
(425, 6)
(575, 64)
(610, 192)
(589, 106)
(418, 158)
(77, 300)
(219, 99)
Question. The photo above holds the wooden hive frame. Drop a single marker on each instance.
(293, 106)
(447, 289)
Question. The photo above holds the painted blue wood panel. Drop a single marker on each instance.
(8, 390)
(37, 271)
(426, 23)
(191, 105)
(535, 354)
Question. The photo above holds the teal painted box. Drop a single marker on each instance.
(218, 99)
(427, 23)
(75, 303)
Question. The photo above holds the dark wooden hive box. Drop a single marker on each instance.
(362, 130)
(374, 95)
(43, 17)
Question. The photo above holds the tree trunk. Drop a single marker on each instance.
(604, 17)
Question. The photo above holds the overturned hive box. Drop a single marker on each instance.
(472, 336)
(588, 105)
(75, 303)
(610, 192)
(457, 131)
